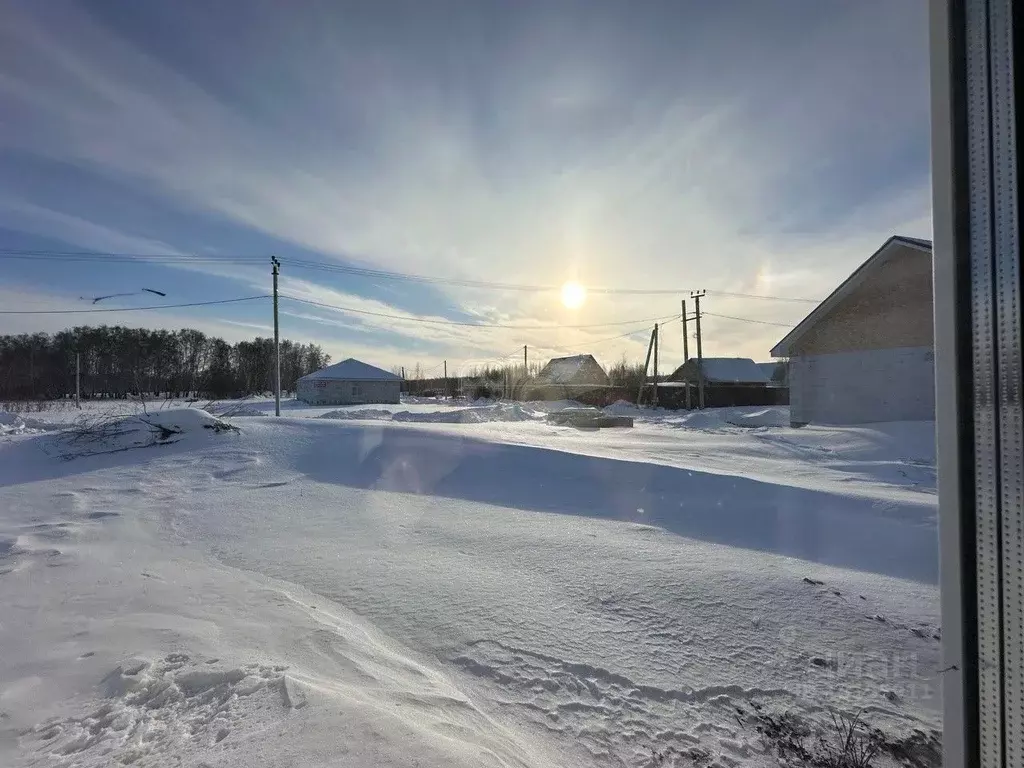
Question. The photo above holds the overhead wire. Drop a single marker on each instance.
(439, 321)
(747, 320)
(366, 272)
(635, 331)
(129, 309)
(432, 321)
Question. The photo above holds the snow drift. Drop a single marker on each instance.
(512, 412)
(314, 591)
(477, 415)
(766, 417)
(91, 436)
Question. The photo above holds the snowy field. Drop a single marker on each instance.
(456, 585)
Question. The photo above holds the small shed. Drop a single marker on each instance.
(574, 371)
(866, 353)
(350, 382)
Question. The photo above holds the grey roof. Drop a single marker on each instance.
(733, 370)
(352, 370)
(889, 248)
(722, 370)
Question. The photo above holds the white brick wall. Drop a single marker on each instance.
(335, 392)
(863, 387)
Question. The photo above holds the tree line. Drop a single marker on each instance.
(117, 362)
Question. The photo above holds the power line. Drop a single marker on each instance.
(117, 258)
(734, 295)
(516, 351)
(179, 259)
(460, 323)
(641, 329)
(128, 309)
(749, 320)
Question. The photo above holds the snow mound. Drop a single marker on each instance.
(766, 417)
(181, 420)
(703, 420)
(13, 424)
(230, 411)
(553, 406)
(487, 413)
(91, 436)
(622, 408)
(365, 414)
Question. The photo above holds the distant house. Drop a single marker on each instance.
(349, 382)
(866, 353)
(575, 371)
(777, 372)
(728, 381)
(578, 377)
(722, 370)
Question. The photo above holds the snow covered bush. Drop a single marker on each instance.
(97, 434)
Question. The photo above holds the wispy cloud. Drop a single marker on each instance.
(770, 151)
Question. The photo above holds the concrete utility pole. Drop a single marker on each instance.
(78, 381)
(275, 268)
(700, 356)
(655, 394)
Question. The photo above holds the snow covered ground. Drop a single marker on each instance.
(441, 584)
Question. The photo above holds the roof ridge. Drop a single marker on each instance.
(853, 280)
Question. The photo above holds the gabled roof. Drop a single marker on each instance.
(889, 248)
(565, 370)
(352, 370)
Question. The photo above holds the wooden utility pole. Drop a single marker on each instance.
(446, 378)
(526, 365)
(275, 268)
(686, 338)
(700, 355)
(647, 362)
(78, 381)
(655, 393)
(686, 349)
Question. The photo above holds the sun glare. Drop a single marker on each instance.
(573, 295)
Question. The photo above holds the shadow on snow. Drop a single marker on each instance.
(892, 539)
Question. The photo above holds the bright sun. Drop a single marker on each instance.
(573, 295)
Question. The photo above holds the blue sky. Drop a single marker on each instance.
(750, 147)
